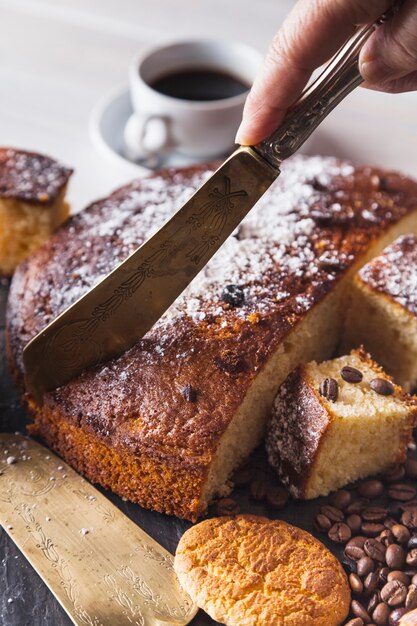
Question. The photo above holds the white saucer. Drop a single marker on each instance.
(107, 121)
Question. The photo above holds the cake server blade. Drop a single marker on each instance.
(101, 567)
(114, 314)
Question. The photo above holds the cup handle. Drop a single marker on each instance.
(146, 136)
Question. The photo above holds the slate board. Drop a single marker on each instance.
(24, 598)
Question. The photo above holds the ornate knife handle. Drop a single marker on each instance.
(335, 82)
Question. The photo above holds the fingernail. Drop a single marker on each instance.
(240, 134)
(373, 71)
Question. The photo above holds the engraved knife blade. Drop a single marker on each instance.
(114, 314)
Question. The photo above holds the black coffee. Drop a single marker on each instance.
(199, 84)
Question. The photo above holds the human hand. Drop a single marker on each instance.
(310, 35)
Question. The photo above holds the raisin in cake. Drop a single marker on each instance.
(335, 422)
(383, 310)
(166, 423)
(32, 203)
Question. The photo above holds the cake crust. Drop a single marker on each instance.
(325, 216)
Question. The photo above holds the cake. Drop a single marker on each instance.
(337, 421)
(383, 310)
(251, 571)
(166, 423)
(32, 203)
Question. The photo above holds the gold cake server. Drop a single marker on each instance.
(102, 568)
(119, 310)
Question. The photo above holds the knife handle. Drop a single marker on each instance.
(334, 83)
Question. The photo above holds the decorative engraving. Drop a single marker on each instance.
(131, 611)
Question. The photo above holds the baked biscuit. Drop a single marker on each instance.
(409, 619)
(252, 571)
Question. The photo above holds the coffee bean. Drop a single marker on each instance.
(395, 556)
(394, 593)
(386, 537)
(383, 573)
(359, 611)
(411, 468)
(412, 542)
(409, 518)
(382, 386)
(329, 389)
(390, 522)
(340, 499)
(354, 549)
(370, 529)
(354, 522)
(380, 614)
(411, 599)
(397, 574)
(257, 490)
(375, 550)
(411, 505)
(411, 558)
(227, 506)
(322, 523)
(396, 615)
(401, 491)
(371, 582)
(374, 514)
(340, 532)
(394, 474)
(243, 476)
(351, 374)
(414, 579)
(349, 566)
(374, 600)
(277, 497)
(356, 621)
(401, 533)
(355, 583)
(334, 514)
(371, 488)
(233, 295)
(364, 566)
(357, 506)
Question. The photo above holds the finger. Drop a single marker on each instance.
(397, 85)
(391, 52)
(313, 32)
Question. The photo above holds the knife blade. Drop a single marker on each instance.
(118, 311)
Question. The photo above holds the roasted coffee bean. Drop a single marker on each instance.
(349, 566)
(233, 295)
(374, 600)
(386, 537)
(412, 542)
(359, 611)
(369, 529)
(411, 558)
(227, 506)
(390, 522)
(411, 599)
(340, 532)
(395, 556)
(355, 583)
(276, 497)
(257, 490)
(351, 374)
(374, 514)
(322, 523)
(397, 574)
(402, 492)
(243, 476)
(354, 522)
(380, 614)
(329, 389)
(334, 514)
(414, 579)
(411, 468)
(371, 488)
(401, 533)
(371, 582)
(375, 549)
(394, 593)
(411, 505)
(364, 566)
(396, 615)
(409, 518)
(382, 386)
(340, 499)
(357, 506)
(394, 474)
(354, 549)
(383, 574)
(356, 621)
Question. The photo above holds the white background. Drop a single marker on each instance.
(58, 57)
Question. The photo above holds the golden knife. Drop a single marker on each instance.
(114, 314)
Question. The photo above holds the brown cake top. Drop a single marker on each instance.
(394, 272)
(284, 258)
(31, 177)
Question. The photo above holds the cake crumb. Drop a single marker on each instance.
(10, 460)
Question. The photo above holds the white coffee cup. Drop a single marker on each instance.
(198, 129)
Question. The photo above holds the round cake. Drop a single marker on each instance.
(166, 423)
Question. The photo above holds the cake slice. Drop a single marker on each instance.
(32, 204)
(335, 422)
(383, 310)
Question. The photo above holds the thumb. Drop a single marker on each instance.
(391, 52)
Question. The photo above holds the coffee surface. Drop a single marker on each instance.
(199, 84)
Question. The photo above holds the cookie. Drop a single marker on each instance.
(409, 619)
(252, 571)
